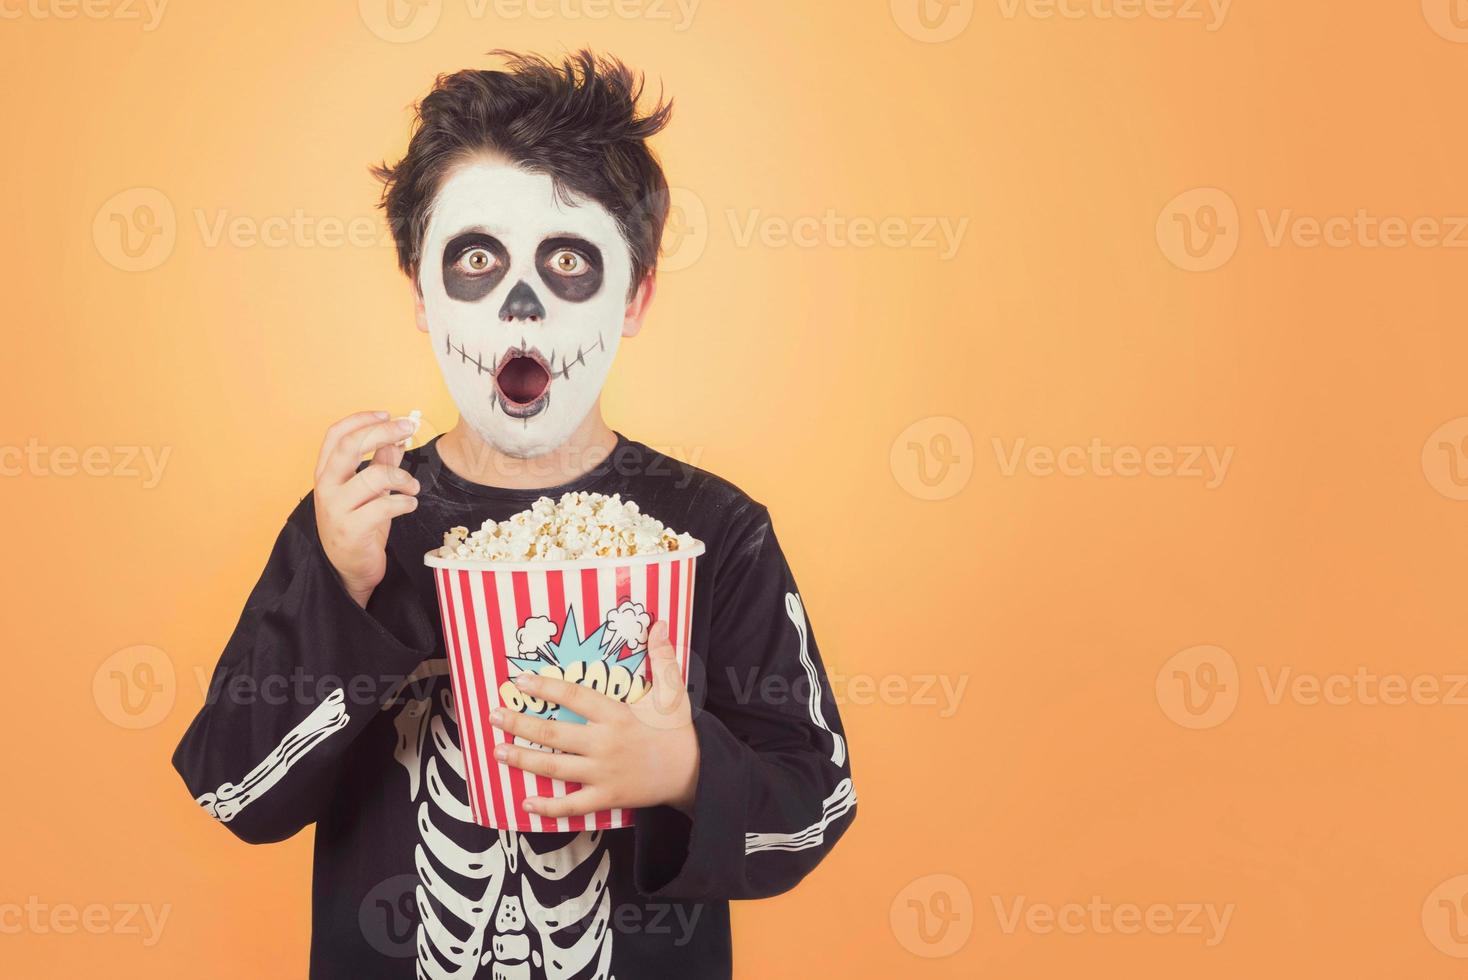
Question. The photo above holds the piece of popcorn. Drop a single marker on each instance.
(416, 417)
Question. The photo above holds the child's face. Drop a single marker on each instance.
(525, 299)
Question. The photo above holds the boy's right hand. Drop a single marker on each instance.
(354, 509)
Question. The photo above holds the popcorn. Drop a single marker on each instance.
(416, 417)
(579, 525)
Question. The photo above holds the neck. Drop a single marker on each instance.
(467, 454)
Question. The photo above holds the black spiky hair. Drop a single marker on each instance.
(575, 120)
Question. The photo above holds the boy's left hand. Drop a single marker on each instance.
(637, 755)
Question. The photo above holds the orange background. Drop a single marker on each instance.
(1077, 763)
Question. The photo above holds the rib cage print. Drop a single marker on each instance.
(497, 904)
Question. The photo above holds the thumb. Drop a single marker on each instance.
(667, 676)
(657, 641)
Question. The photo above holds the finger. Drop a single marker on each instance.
(576, 804)
(589, 704)
(555, 765)
(563, 735)
(372, 482)
(339, 428)
(384, 509)
(390, 455)
(342, 461)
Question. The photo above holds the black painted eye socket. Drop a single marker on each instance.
(473, 264)
(571, 268)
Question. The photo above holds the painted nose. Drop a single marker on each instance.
(522, 304)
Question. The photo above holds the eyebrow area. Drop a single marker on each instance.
(483, 229)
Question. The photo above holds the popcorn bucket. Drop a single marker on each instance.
(585, 621)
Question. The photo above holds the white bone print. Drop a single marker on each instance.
(477, 902)
(796, 611)
(330, 716)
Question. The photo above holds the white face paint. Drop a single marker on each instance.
(525, 297)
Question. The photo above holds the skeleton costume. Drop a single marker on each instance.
(323, 712)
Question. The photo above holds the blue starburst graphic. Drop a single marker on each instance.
(572, 648)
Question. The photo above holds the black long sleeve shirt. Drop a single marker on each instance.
(322, 712)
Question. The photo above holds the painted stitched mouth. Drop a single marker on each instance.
(522, 376)
(563, 371)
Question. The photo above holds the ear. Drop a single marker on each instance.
(419, 314)
(637, 308)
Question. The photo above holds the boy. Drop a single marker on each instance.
(527, 212)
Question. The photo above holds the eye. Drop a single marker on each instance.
(568, 262)
(476, 261)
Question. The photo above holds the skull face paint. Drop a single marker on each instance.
(524, 295)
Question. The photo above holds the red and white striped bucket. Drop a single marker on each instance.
(484, 606)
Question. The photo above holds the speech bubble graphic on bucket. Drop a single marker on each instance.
(584, 621)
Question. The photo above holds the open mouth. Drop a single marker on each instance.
(522, 377)
(522, 383)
